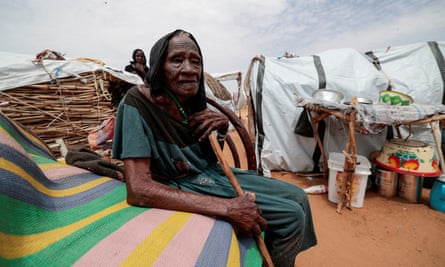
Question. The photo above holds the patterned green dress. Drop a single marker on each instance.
(180, 161)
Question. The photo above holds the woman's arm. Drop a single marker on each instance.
(142, 190)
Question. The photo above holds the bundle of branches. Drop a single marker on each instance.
(67, 108)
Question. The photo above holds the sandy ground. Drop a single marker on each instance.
(384, 232)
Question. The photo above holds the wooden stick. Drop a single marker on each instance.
(347, 176)
(239, 191)
(319, 141)
(438, 147)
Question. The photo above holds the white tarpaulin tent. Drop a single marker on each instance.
(18, 70)
(275, 83)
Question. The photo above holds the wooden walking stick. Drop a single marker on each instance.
(239, 191)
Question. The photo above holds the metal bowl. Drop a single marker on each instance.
(408, 157)
(328, 95)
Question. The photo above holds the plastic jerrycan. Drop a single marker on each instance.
(437, 194)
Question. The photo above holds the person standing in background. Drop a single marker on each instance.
(138, 65)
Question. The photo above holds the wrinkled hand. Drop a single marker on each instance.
(206, 121)
(245, 216)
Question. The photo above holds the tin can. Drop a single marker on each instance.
(386, 182)
(410, 187)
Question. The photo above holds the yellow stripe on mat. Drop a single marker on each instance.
(46, 166)
(17, 246)
(153, 246)
(11, 167)
(234, 252)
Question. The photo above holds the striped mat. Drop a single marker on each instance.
(53, 214)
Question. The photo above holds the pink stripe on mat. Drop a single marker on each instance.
(192, 236)
(63, 171)
(8, 140)
(111, 252)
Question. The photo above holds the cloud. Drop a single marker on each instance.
(230, 32)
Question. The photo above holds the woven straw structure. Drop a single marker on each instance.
(67, 108)
(217, 88)
(70, 108)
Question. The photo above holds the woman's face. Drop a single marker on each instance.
(139, 57)
(182, 67)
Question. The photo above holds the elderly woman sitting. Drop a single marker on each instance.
(162, 135)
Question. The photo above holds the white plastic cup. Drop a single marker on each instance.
(316, 189)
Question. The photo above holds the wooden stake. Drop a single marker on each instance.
(438, 147)
(239, 191)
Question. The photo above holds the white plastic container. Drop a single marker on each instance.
(360, 178)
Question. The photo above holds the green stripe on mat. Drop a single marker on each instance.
(42, 159)
(68, 250)
(253, 256)
(43, 220)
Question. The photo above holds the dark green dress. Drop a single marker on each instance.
(180, 161)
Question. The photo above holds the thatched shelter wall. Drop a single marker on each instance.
(67, 108)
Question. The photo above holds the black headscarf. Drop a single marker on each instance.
(158, 55)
